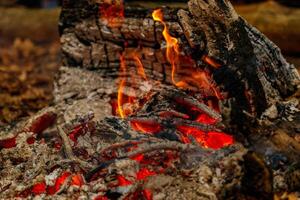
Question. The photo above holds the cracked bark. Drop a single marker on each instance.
(253, 72)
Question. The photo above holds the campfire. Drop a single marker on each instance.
(188, 117)
(160, 104)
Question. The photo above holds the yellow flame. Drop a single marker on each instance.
(121, 87)
(172, 43)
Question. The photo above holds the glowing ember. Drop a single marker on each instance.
(101, 198)
(77, 180)
(39, 188)
(147, 194)
(41, 123)
(123, 181)
(58, 183)
(203, 118)
(8, 143)
(112, 12)
(30, 140)
(78, 131)
(42, 187)
(75, 133)
(138, 158)
(146, 127)
(214, 140)
(144, 173)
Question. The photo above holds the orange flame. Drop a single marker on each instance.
(121, 87)
(140, 67)
(123, 73)
(197, 78)
(172, 43)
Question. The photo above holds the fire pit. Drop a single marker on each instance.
(160, 104)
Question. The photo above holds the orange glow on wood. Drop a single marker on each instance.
(145, 127)
(213, 140)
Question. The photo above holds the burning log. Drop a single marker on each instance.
(203, 105)
(208, 47)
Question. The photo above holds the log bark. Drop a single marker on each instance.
(261, 108)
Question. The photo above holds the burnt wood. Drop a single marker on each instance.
(253, 71)
(261, 108)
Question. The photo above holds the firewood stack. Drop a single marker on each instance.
(164, 104)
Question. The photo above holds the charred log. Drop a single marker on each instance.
(250, 68)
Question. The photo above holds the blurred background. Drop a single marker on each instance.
(30, 52)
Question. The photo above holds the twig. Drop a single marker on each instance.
(127, 143)
(201, 106)
(69, 152)
(173, 122)
(4, 188)
(194, 124)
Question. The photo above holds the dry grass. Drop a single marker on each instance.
(34, 24)
(26, 78)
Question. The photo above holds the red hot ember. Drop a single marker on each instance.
(37, 126)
